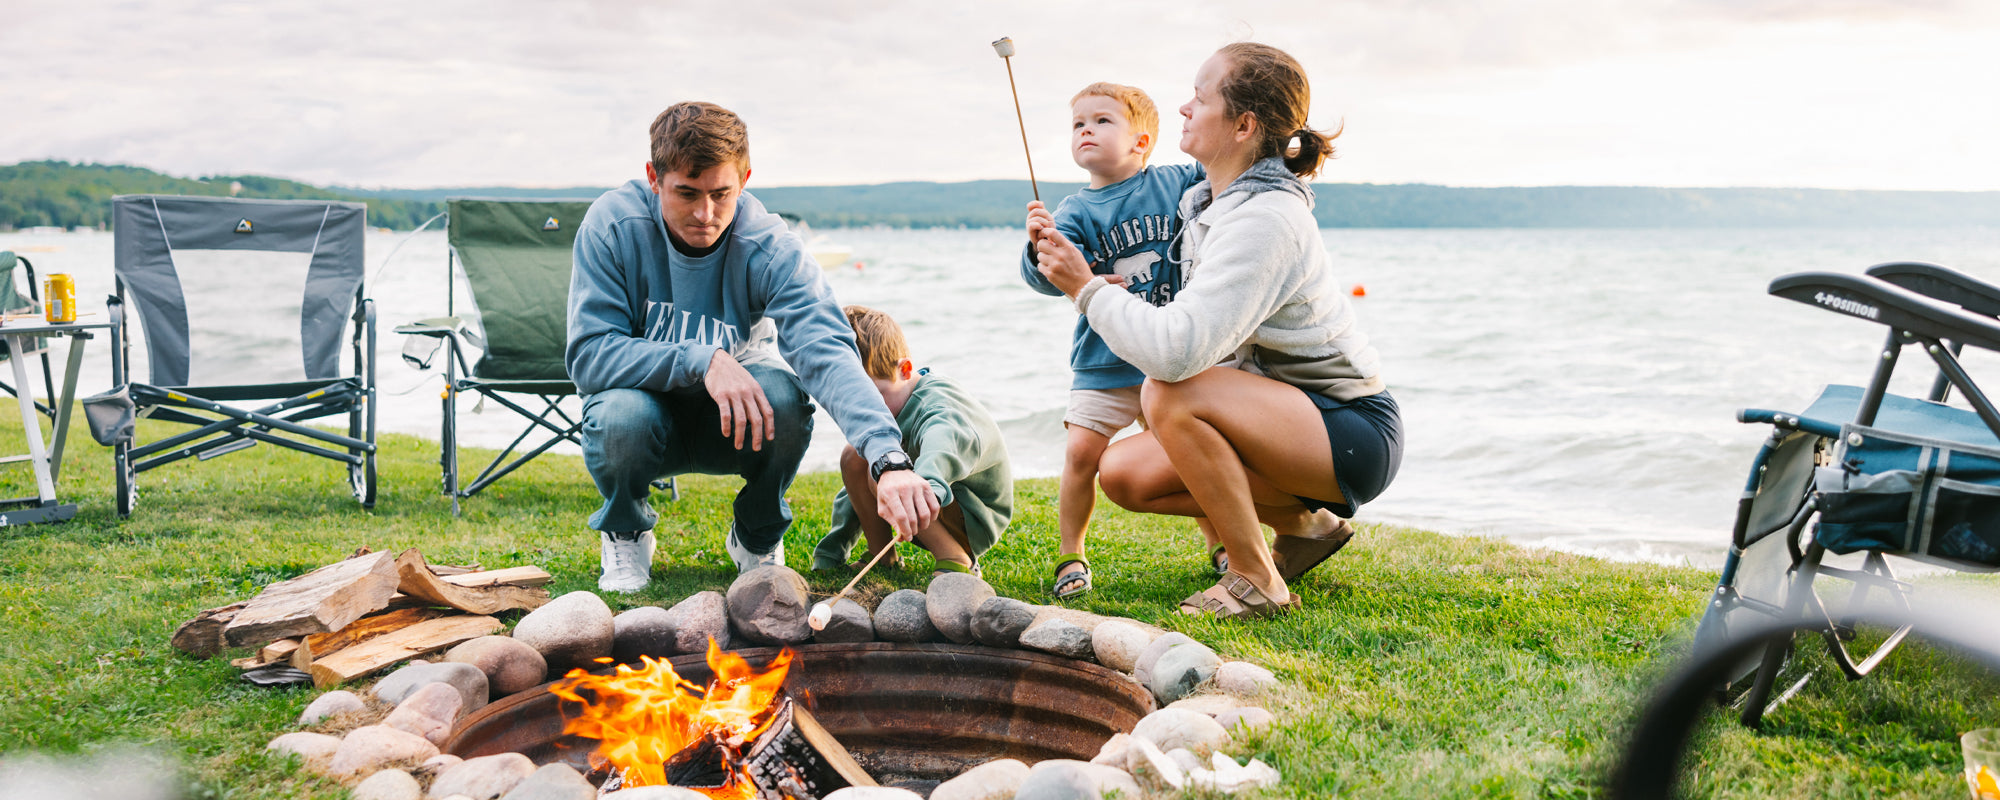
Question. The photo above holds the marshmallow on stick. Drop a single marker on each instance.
(822, 611)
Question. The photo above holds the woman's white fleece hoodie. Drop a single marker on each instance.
(1260, 288)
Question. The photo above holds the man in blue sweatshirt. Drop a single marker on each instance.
(700, 332)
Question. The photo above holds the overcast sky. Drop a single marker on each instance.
(1864, 94)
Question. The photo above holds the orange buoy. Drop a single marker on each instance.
(1358, 291)
(858, 266)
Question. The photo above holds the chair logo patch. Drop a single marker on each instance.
(243, 226)
(551, 225)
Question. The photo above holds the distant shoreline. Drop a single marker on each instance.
(65, 195)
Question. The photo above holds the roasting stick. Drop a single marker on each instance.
(822, 612)
(1005, 47)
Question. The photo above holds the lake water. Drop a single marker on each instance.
(1573, 389)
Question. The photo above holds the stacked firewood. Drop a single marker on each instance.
(360, 615)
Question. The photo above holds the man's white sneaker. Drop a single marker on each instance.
(627, 561)
(746, 560)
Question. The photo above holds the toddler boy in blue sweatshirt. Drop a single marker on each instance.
(1125, 223)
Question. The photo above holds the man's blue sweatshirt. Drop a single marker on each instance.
(642, 315)
(1126, 229)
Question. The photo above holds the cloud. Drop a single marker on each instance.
(559, 94)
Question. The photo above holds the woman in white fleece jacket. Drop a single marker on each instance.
(1264, 398)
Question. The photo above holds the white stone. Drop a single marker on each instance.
(1169, 728)
(571, 631)
(1186, 759)
(483, 778)
(1118, 643)
(1113, 751)
(1211, 704)
(951, 599)
(370, 748)
(1153, 769)
(1224, 775)
(553, 782)
(313, 748)
(427, 712)
(467, 678)
(388, 784)
(1064, 779)
(993, 780)
(1248, 718)
(338, 701)
(1142, 668)
(873, 793)
(509, 663)
(655, 793)
(1244, 679)
(436, 765)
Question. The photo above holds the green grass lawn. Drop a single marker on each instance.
(1423, 666)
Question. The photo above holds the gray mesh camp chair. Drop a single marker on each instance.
(149, 232)
(516, 257)
(14, 301)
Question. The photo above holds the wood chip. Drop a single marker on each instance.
(418, 581)
(323, 600)
(280, 650)
(511, 576)
(428, 636)
(320, 645)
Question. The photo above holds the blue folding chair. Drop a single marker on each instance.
(1862, 470)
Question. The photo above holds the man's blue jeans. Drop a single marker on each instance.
(634, 436)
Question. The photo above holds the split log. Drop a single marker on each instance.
(321, 645)
(280, 650)
(201, 637)
(418, 581)
(323, 600)
(511, 576)
(428, 636)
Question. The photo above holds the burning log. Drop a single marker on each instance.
(741, 738)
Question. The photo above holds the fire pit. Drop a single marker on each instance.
(922, 712)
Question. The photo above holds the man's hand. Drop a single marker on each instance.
(740, 400)
(1062, 263)
(904, 500)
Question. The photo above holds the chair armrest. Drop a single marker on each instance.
(1887, 304)
(435, 326)
(1942, 283)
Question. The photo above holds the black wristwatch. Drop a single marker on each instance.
(890, 462)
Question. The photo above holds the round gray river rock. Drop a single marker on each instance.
(466, 678)
(1176, 728)
(372, 747)
(485, 777)
(850, 623)
(570, 631)
(904, 616)
(1000, 621)
(951, 600)
(509, 663)
(388, 784)
(642, 631)
(1179, 671)
(1117, 644)
(553, 782)
(994, 780)
(338, 701)
(1142, 669)
(1060, 638)
(697, 619)
(768, 605)
(1065, 779)
(428, 712)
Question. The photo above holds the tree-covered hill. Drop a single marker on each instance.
(67, 195)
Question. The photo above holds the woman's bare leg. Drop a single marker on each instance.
(1254, 441)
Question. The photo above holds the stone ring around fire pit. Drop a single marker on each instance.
(985, 683)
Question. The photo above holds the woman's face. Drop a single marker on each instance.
(1207, 129)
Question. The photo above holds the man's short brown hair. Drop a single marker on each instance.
(690, 137)
(879, 339)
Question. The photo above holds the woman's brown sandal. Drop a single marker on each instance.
(1297, 555)
(1235, 597)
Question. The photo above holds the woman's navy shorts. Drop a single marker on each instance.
(1367, 438)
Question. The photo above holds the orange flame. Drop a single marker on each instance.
(643, 715)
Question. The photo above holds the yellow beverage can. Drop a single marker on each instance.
(59, 297)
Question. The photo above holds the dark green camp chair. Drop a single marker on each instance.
(12, 301)
(516, 258)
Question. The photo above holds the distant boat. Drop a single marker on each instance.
(828, 253)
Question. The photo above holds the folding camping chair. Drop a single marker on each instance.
(516, 259)
(14, 302)
(1862, 470)
(150, 231)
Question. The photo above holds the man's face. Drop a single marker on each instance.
(698, 208)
